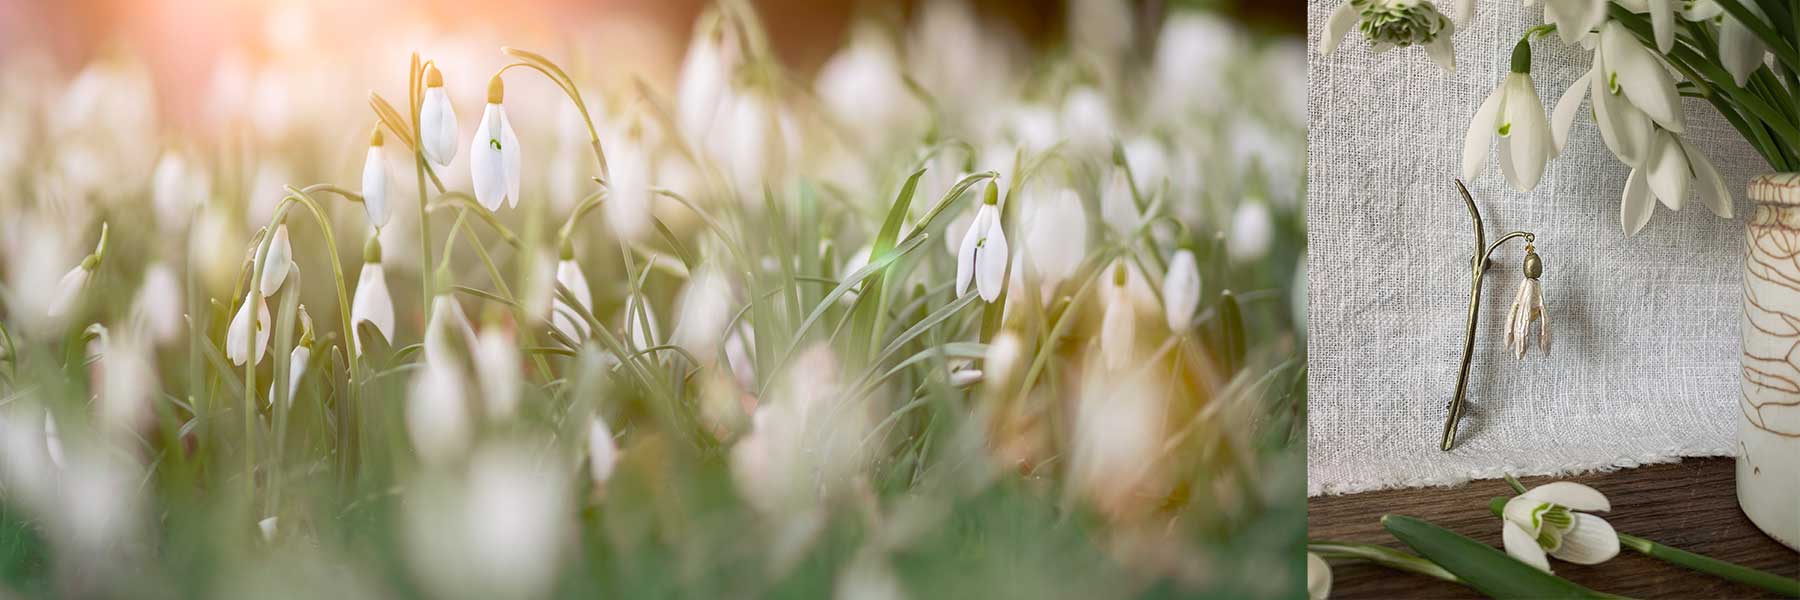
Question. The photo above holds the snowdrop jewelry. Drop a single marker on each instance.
(1528, 307)
(1479, 264)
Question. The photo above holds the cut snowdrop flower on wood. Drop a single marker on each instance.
(1552, 518)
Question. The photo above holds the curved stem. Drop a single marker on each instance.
(549, 69)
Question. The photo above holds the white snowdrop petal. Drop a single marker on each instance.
(1590, 541)
(1523, 546)
(1569, 494)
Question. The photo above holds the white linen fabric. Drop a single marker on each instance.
(1644, 367)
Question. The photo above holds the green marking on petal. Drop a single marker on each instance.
(495, 143)
(1505, 129)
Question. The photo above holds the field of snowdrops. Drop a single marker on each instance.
(948, 318)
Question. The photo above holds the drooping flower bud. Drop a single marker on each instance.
(438, 131)
(243, 333)
(372, 302)
(1181, 291)
(375, 183)
(983, 255)
(276, 261)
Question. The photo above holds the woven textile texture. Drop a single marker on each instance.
(1644, 366)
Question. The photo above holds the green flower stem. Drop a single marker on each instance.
(1382, 556)
(506, 295)
(556, 74)
(1698, 562)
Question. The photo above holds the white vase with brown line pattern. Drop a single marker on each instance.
(1768, 450)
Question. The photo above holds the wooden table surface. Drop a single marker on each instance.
(1691, 505)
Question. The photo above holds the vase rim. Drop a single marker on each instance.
(1780, 189)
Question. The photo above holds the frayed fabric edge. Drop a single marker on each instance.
(1445, 477)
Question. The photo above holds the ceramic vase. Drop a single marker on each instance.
(1768, 451)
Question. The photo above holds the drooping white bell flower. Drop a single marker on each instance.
(372, 302)
(438, 130)
(862, 87)
(448, 335)
(158, 305)
(1672, 163)
(127, 383)
(1118, 207)
(705, 74)
(704, 311)
(277, 260)
(437, 415)
(68, 289)
(640, 323)
(1181, 291)
(629, 196)
(1638, 73)
(1118, 325)
(298, 360)
(494, 153)
(1544, 520)
(267, 527)
(1574, 19)
(375, 183)
(239, 337)
(1056, 237)
(1087, 120)
(1740, 49)
(1252, 231)
(497, 365)
(1662, 20)
(565, 319)
(1392, 24)
(983, 254)
(1515, 113)
(603, 451)
(176, 188)
(1624, 128)
(1528, 308)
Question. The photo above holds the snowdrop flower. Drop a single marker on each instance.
(127, 383)
(494, 153)
(629, 195)
(267, 527)
(438, 131)
(175, 189)
(68, 289)
(703, 313)
(1117, 441)
(861, 86)
(1087, 120)
(1392, 24)
(566, 319)
(449, 337)
(1637, 73)
(1666, 173)
(297, 363)
(1252, 231)
(1528, 306)
(497, 365)
(640, 322)
(1741, 50)
(1544, 520)
(1662, 20)
(1181, 291)
(705, 74)
(158, 304)
(1001, 362)
(603, 451)
(1118, 326)
(276, 261)
(1118, 207)
(375, 182)
(437, 417)
(372, 303)
(1516, 114)
(983, 254)
(1318, 577)
(239, 337)
(1056, 238)
(1574, 19)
